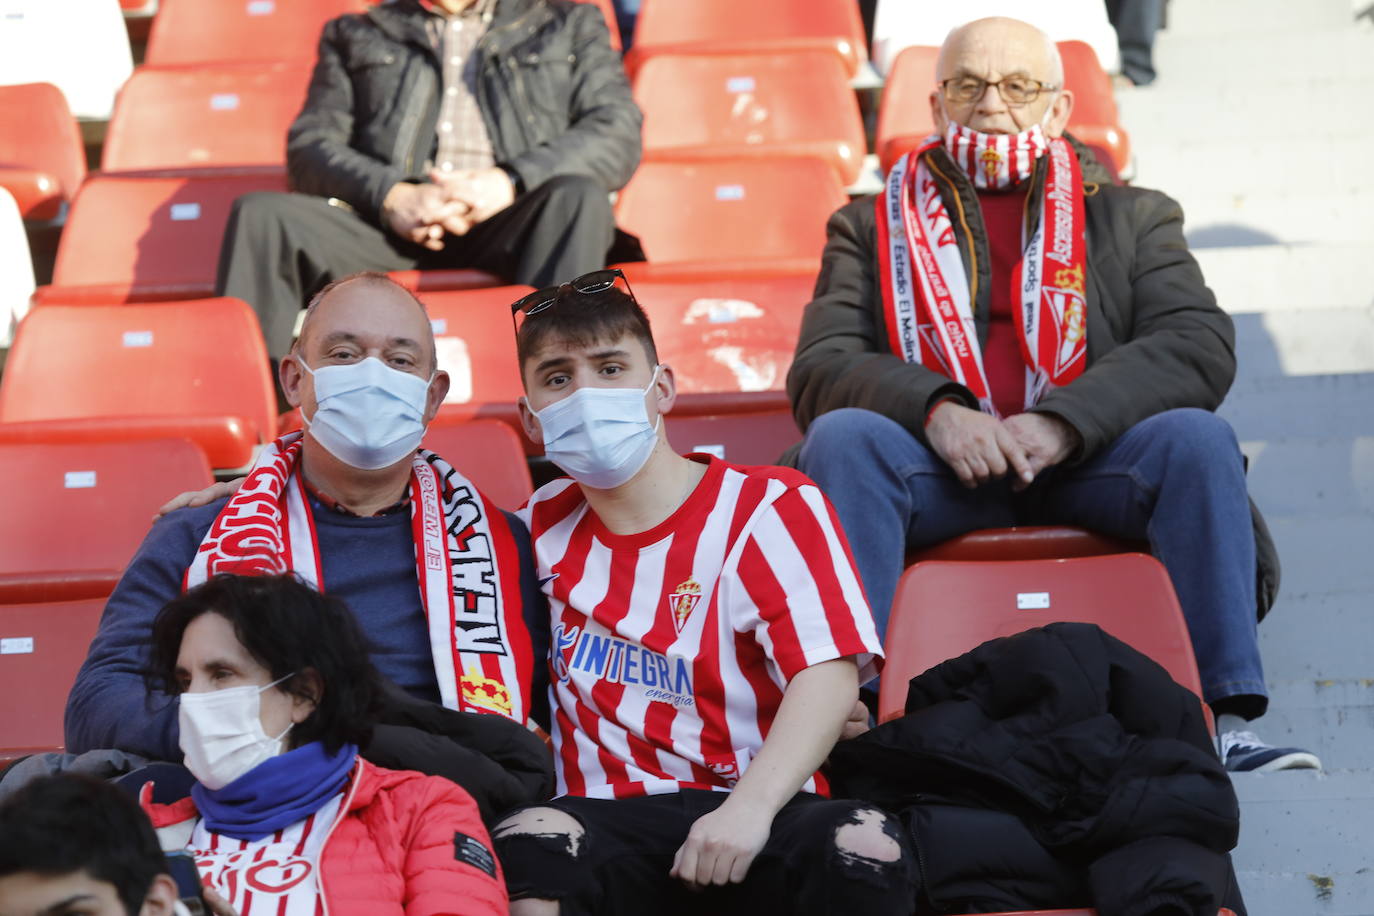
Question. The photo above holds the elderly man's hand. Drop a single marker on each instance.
(1045, 438)
(418, 212)
(478, 193)
(977, 447)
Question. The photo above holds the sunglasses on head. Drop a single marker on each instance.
(541, 299)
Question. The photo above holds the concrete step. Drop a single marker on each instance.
(1225, 18)
(1158, 117)
(1269, 407)
(1295, 343)
(1267, 57)
(1269, 212)
(1205, 163)
(1298, 893)
(1332, 718)
(1270, 278)
(1319, 477)
(1315, 633)
(1344, 797)
(1329, 552)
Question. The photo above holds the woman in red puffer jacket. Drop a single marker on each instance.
(285, 818)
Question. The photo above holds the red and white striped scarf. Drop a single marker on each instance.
(465, 553)
(925, 289)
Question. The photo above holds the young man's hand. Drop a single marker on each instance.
(722, 845)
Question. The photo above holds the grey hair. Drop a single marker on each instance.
(375, 277)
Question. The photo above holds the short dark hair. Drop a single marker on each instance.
(287, 627)
(582, 319)
(59, 825)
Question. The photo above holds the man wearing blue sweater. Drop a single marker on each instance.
(349, 506)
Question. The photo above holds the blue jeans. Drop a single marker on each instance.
(1176, 479)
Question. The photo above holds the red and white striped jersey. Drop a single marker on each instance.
(278, 875)
(671, 648)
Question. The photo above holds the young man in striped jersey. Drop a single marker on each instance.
(709, 636)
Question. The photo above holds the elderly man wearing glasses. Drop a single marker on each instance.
(1003, 336)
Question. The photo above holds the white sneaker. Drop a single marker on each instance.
(1244, 752)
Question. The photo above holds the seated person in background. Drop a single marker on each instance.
(1004, 338)
(709, 633)
(277, 694)
(442, 133)
(436, 576)
(76, 845)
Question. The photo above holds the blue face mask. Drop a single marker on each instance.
(601, 436)
(367, 415)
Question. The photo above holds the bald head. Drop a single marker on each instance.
(396, 309)
(996, 49)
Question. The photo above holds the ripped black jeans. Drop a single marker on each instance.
(619, 862)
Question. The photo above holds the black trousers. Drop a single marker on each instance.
(280, 249)
(621, 867)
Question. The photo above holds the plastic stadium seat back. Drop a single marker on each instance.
(489, 453)
(732, 331)
(42, 161)
(428, 281)
(197, 369)
(83, 508)
(201, 31)
(904, 117)
(138, 9)
(712, 106)
(943, 609)
(731, 214)
(144, 238)
(16, 268)
(223, 116)
(39, 44)
(1094, 119)
(45, 645)
(476, 344)
(758, 26)
(1026, 542)
(747, 437)
(612, 25)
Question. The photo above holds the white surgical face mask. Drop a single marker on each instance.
(222, 736)
(367, 414)
(601, 436)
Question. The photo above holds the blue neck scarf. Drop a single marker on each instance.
(276, 793)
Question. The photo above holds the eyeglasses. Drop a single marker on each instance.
(595, 282)
(1015, 90)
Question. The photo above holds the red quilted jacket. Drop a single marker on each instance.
(406, 844)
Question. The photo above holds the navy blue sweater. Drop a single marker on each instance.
(368, 562)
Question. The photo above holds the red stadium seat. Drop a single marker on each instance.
(756, 26)
(1095, 119)
(201, 31)
(77, 512)
(1222, 912)
(1028, 542)
(489, 453)
(41, 648)
(904, 117)
(138, 9)
(717, 217)
(86, 373)
(430, 281)
(714, 106)
(223, 116)
(135, 239)
(732, 332)
(42, 161)
(943, 609)
(476, 343)
(744, 437)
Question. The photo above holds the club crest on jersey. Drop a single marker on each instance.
(683, 601)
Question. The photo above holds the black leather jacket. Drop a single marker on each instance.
(551, 90)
